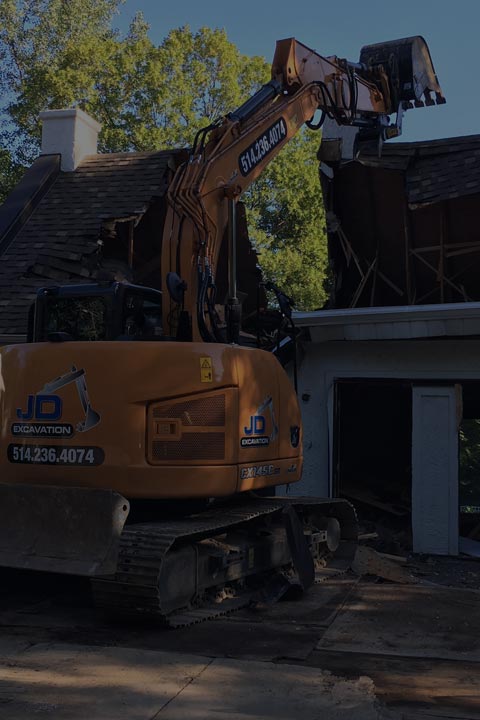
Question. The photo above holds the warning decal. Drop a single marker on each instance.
(206, 369)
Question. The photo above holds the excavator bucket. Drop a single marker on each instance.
(58, 529)
(409, 68)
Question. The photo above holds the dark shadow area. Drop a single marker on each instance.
(469, 463)
(372, 456)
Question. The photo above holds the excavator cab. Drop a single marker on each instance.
(93, 312)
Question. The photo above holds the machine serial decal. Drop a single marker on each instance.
(258, 471)
(255, 434)
(262, 146)
(47, 407)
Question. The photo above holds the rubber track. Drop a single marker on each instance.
(134, 588)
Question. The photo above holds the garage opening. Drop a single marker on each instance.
(372, 459)
(372, 456)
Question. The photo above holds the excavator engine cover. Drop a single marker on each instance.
(409, 68)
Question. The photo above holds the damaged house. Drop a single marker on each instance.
(389, 373)
(390, 379)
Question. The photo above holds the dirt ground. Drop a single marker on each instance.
(353, 648)
(459, 572)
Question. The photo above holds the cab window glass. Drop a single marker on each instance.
(83, 318)
(142, 316)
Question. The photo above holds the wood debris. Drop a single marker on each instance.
(369, 562)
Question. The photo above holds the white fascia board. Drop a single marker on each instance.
(392, 323)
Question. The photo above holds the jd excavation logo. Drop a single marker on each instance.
(255, 432)
(39, 417)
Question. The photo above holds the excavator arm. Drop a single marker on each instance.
(229, 155)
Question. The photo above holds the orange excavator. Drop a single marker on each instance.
(139, 428)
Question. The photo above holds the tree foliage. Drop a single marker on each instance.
(469, 463)
(10, 173)
(56, 53)
(288, 222)
(36, 37)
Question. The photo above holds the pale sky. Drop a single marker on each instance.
(341, 27)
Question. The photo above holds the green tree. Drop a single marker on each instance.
(35, 38)
(469, 463)
(10, 173)
(287, 222)
(59, 54)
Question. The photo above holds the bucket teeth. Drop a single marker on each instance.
(428, 98)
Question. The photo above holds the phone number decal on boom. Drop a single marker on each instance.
(262, 146)
(55, 455)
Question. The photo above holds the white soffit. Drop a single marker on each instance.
(392, 323)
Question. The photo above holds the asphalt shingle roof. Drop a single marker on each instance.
(56, 242)
(435, 170)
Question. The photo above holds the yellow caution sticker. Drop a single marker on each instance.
(206, 369)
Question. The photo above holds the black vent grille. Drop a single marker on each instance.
(204, 412)
(191, 446)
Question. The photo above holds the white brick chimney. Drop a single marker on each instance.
(71, 133)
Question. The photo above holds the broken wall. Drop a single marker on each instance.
(403, 227)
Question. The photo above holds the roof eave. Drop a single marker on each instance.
(392, 323)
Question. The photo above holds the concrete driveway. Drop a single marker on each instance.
(351, 649)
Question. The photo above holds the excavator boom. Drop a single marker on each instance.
(229, 155)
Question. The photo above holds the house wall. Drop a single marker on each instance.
(323, 363)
